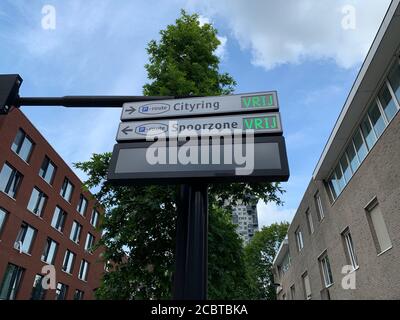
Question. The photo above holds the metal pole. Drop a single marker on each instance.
(191, 265)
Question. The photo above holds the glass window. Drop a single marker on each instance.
(309, 222)
(306, 286)
(293, 292)
(22, 145)
(37, 202)
(346, 168)
(58, 220)
(11, 282)
(352, 156)
(318, 205)
(388, 104)
(326, 270)
(83, 270)
(376, 119)
(78, 295)
(75, 232)
(25, 238)
(47, 170)
(299, 239)
(68, 262)
(95, 218)
(360, 146)
(38, 291)
(49, 252)
(10, 179)
(350, 252)
(66, 190)
(394, 80)
(90, 239)
(340, 178)
(369, 134)
(61, 291)
(333, 186)
(82, 205)
(3, 215)
(379, 229)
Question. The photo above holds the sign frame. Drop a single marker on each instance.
(217, 176)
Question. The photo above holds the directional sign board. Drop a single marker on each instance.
(259, 122)
(202, 106)
(264, 160)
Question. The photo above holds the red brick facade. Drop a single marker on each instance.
(17, 214)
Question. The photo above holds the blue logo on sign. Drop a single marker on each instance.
(142, 129)
(154, 108)
(151, 129)
(145, 109)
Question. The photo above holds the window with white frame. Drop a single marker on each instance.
(306, 286)
(350, 251)
(49, 251)
(310, 223)
(75, 232)
(68, 262)
(47, 170)
(3, 216)
(22, 145)
(326, 270)
(83, 270)
(378, 227)
(10, 180)
(90, 239)
(319, 207)
(66, 190)
(82, 205)
(25, 238)
(95, 218)
(299, 239)
(37, 202)
(59, 218)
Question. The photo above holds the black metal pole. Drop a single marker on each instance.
(191, 265)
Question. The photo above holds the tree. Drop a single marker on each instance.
(259, 255)
(139, 223)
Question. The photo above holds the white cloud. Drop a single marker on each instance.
(291, 31)
(221, 50)
(271, 213)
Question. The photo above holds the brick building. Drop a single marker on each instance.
(45, 219)
(344, 240)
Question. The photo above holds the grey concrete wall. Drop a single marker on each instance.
(378, 276)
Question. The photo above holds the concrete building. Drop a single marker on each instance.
(45, 219)
(246, 219)
(344, 241)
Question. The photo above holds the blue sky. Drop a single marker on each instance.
(301, 48)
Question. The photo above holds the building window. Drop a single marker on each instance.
(61, 291)
(78, 295)
(293, 292)
(58, 220)
(369, 134)
(89, 242)
(67, 190)
(319, 207)
(38, 291)
(82, 205)
(377, 120)
(47, 170)
(378, 228)
(299, 239)
(350, 252)
(10, 180)
(49, 252)
(95, 218)
(68, 262)
(352, 156)
(83, 270)
(25, 238)
(394, 80)
(22, 145)
(306, 286)
(3, 216)
(75, 232)
(347, 173)
(11, 282)
(37, 202)
(310, 222)
(326, 270)
(388, 103)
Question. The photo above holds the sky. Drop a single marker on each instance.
(310, 51)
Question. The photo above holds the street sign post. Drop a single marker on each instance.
(260, 123)
(201, 106)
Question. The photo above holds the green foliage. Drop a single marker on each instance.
(139, 223)
(259, 255)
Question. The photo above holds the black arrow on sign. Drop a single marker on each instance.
(126, 130)
(130, 110)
